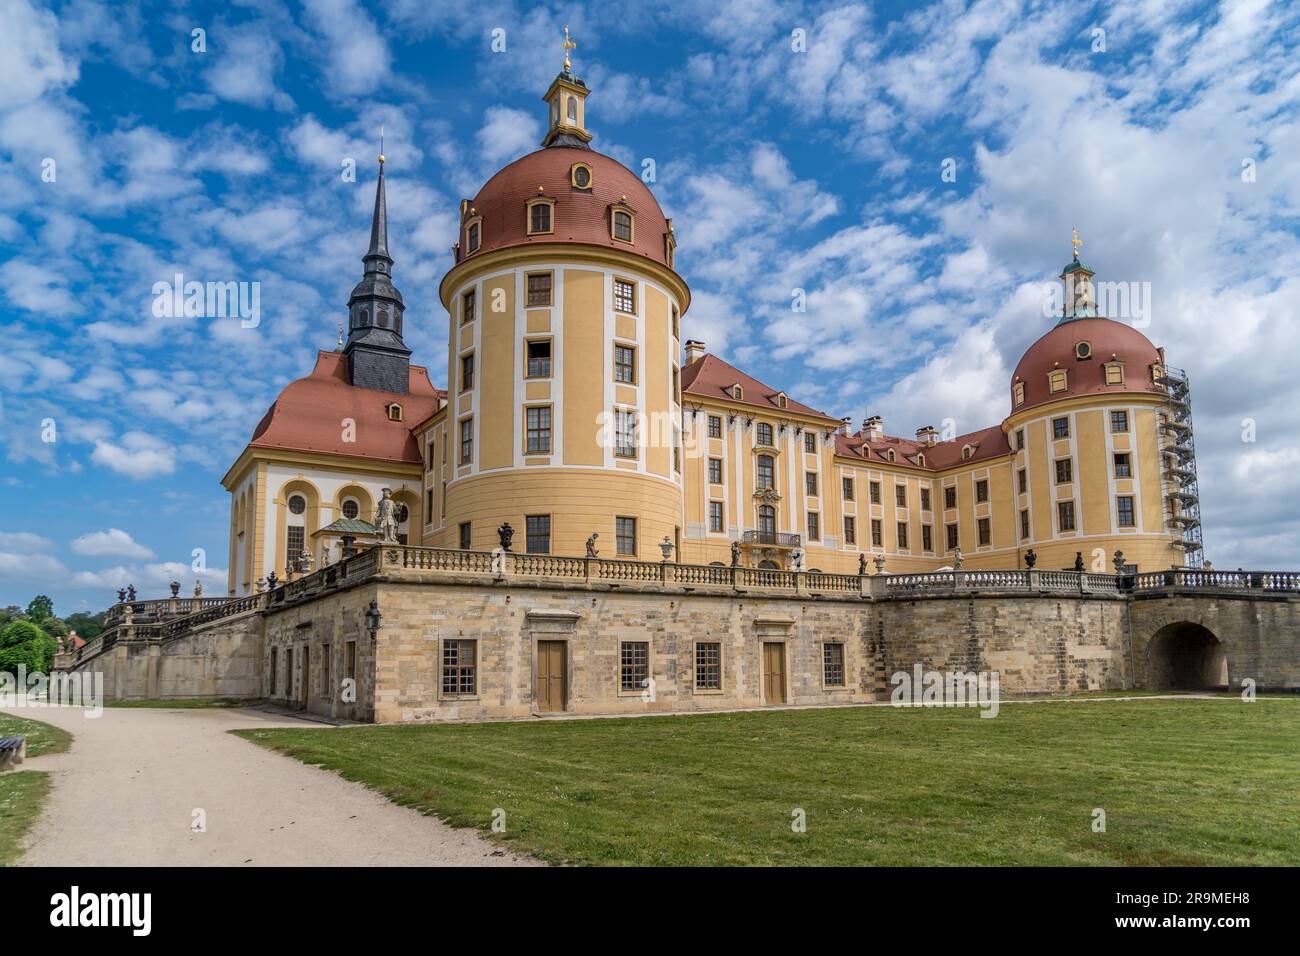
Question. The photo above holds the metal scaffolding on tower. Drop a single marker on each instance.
(1178, 475)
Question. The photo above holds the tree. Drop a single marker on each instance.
(41, 609)
(87, 626)
(22, 642)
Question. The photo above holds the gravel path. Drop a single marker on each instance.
(126, 793)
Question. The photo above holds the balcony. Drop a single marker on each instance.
(770, 539)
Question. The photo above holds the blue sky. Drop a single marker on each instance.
(817, 169)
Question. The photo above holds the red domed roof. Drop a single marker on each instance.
(581, 215)
(1107, 340)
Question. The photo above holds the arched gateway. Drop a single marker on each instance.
(1186, 656)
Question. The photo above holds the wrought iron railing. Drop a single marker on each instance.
(777, 539)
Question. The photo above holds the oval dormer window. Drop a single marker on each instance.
(1082, 350)
(580, 176)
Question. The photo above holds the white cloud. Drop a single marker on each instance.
(111, 543)
(507, 134)
(24, 541)
(138, 455)
(359, 59)
(244, 63)
(30, 59)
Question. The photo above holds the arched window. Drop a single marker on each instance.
(889, 454)
(920, 459)
(622, 225)
(472, 236)
(573, 109)
(766, 472)
(394, 412)
(1018, 394)
(1056, 380)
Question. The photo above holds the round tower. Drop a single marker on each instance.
(564, 412)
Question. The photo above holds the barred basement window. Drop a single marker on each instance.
(715, 516)
(624, 364)
(985, 532)
(539, 359)
(624, 296)
(1123, 466)
(538, 439)
(1124, 508)
(1119, 421)
(850, 531)
(764, 435)
(634, 665)
(1065, 515)
(539, 285)
(538, 534)
(625, 535)
(708, 666)
(846, 485)
(715, 426)
(459, 674)
(715, 471)
(981, 491)
(833, 664)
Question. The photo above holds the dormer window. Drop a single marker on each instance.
(473, 235)
(967, 452)
(736, 392)
(541, 216)
(1114, 373)
(670, 249)
(394, 412)
(580, 176)
(889, 454)
(1056, 380)
(780, 400)
(621, 225)
(920, 459)
(1018, 394)
(1082, 350)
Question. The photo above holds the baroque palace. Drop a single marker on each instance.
(574, 409)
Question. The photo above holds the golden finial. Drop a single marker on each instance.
(381, 144)
(568, 45)
(1076, 242)
(340, 346)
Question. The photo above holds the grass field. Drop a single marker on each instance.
(1181, 782)
(23, 792)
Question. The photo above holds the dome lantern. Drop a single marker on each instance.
(566, 98)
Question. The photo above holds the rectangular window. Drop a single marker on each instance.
(539, 219)
(1124, 508)
(467, 307)
(814, 526)
(1024, 524)
(1022, 480)
(985, 532)
(1123, 466)
(539, 429)
(981, 491)
(833, 664)
(624, 433)
(1065, 515)
(846, 485)
(715, 516)
(810, 442)
(539, 359)
(900, 495)
(765, 472)
(810, 482)
(625, 364)
(715, 471)
(1119, 421)
(1020, 439)
(624, 296)
(625, 535)
(622, 226)
(294, 542)
(927, 538)
(952, 537)
(459, 674)
(466, 372)
(1064, 471)
(467, 441)
(850, 531)
(325, 689)
(902, 535)
(1060, 428)
(708, 666)
(765, 435)
(465, 536)
(950, 497)
(428, 506)
(633, 665)
(925, 499)
(1114, 373)
(874, 492)
(538, 533)
(539, 288)
(715, 426)
(877, 533)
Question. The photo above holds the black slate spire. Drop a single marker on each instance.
(377, 356)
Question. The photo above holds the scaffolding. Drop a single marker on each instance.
(1178, 459)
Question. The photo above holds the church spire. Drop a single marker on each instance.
(567, 98)
(377, 356)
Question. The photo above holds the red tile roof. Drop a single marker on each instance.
(1086, 376)
(986, 443)
(710, 377)
(308, 415)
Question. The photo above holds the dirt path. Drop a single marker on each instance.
(126, 793)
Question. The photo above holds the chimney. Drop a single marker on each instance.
(873, 429)
(928, 435)
(845, 422)
(694, 350)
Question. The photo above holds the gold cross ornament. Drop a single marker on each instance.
(1075, 241)
(568, 45)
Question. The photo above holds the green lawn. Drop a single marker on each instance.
(1182, 782)
(23, 792)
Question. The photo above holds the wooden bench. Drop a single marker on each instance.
(13, 750)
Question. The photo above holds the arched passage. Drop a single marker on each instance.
(1186, 656)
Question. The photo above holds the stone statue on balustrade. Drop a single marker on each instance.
(386, 518)
(591, 545)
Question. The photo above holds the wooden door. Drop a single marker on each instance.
(552, 675)
(774, 672)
